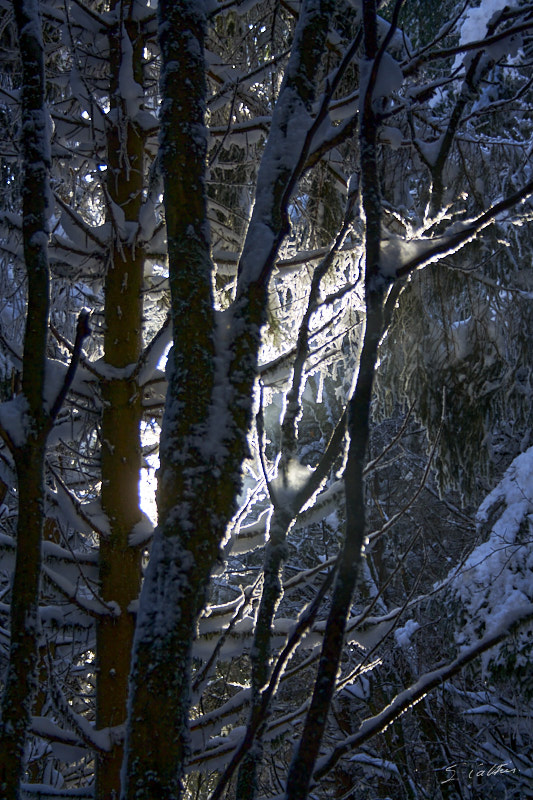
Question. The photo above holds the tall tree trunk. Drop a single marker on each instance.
(122, 411)
(214, 360)
(28, 445)
(188, 534)
(301, 769)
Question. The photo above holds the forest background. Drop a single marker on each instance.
(274, 257)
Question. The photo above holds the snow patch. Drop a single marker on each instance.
(13, 419)
(129, 89)
(391, 136)
(496, 578)
(474, 27)
(389, 77)
(142, 531)
(291, 479)
(403, 635)
(249, 537)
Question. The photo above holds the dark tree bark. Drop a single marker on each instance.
(284, 514)
(29, 443)
(301, 769)
(188, 535)
(120, 569)
(214, 359)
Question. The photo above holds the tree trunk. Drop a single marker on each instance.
(189, 531)
(214, 360)
(120, 569)
(29, 452)
(301, 769)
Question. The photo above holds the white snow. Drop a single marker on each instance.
(496, 578)
(129, 89)
(474, 25)
(476, 20)
(109, 373)
(397, 251)
(83, 236)
(345, 108)
(67, 753)
(143, 8)
(462, 334)
(218, 617)
(82, 517)
(290, 480)
(414, 693)
(147, 220)
(360, 688)
(430, 150)
(212, 722)
(77, 593)
(142, 532)
(389, 77)
(391, 136)
(403, 634)
(249, 537)
(55, 373)
(13, 419)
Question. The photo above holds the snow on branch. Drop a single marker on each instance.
(14, 421)
(212, 722)
(101, 740)
(83, 517)
(509, 623)
(286, 150)
(85, 563)
(82, 235)
(93, 606)
(410, 256)
(496, 577)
